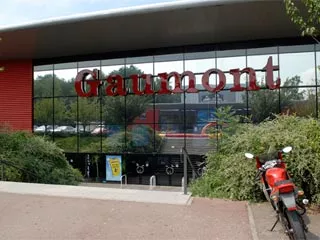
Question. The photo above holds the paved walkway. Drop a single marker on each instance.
(38, 211)
(34, 217)
(135, 195)
(264, 218)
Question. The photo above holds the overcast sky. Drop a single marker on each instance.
(21, 11)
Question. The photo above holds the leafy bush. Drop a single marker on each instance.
(231, 175)
(33, 159)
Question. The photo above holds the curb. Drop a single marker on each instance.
(252, 224)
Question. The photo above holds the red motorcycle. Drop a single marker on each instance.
(282, 193)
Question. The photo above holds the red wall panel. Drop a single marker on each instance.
(16, 94)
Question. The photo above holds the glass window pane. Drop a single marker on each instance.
(231, 53)
(141, 138)
(262, 51)
(114, 110)
(111, 67)
(318, 67)
(64, 77)
(167, 64)
(43, 115)
(172, 138)
(136, 109)
(225, 64)
(263, 104)
(299, 101)
(65, 127)
(43, 83)
(296, 49)
(137, 68)
(170, 113)
(258, 62)
(90, 126)
(114, 138)
(297, 69)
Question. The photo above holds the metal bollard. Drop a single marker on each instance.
(125, 180)
(182, 184)
(152, 181)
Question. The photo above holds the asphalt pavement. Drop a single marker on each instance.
(39, 211)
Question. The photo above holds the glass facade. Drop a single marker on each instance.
(163, 124)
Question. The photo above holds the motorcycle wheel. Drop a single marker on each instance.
(296, 225)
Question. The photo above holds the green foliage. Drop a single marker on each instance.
(44, 111)
(265, 103)
(231, 175)
(32, 158)
(306, 17)
(88, 110)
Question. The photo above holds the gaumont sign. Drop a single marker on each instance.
(87, 82)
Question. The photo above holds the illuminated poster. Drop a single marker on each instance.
(113, 168)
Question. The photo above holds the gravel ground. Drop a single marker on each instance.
(27, 217)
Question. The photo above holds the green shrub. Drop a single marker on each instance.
(34, 159)
(231, 175)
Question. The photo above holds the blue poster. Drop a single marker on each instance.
(113, 168)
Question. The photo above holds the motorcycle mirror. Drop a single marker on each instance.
(287, 149)
(249, 155)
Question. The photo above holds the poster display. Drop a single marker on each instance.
(113, 167)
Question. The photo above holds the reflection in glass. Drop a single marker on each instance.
(167, 65)
(65, 128)
(227, 63)
(90, 127)
(264, 103)
(300, 101)
(136, 107)
(318, 67)
(258, 62)
(170, 115)
(198, 67)
(114, 138)
(64, 82)
(171, 138)
(43, 115)
(141, 138)
(114, 110)
(139, 69)
(43, 84)
(297, 66)
(109, 70)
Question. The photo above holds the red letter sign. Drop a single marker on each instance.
(115, 86)
(252, 79)
(269, 68)
(81, 80)
(222, 80)
(236, 80)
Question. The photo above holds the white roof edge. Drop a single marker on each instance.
(157, 7)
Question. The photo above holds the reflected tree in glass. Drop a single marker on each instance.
(44, 113)
(134, 106)
(265, 103)
(86, 112)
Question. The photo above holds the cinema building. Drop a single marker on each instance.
(146, 82)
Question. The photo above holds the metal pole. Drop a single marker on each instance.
(2, 171)
(185, 173)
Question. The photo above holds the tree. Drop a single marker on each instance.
(44, 86)
(264, 103)
(88, 111)
(45, 113)
(119, 109)
(306, 17)
(132, 105)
